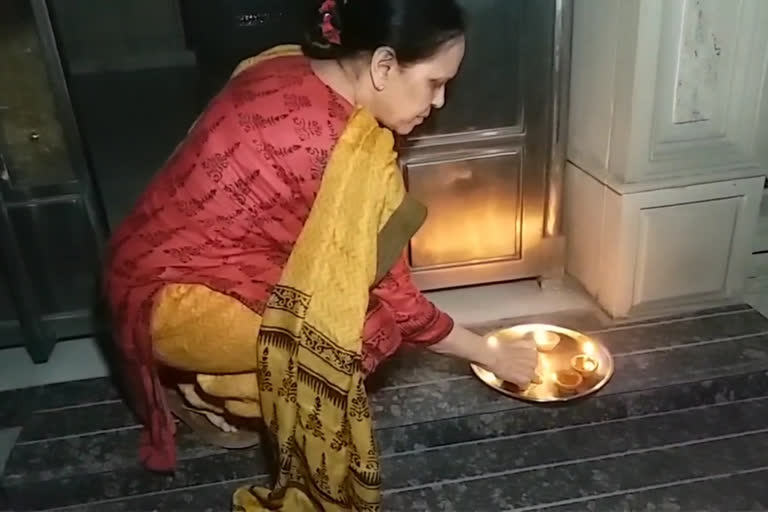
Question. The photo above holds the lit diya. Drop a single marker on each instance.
(545, 340)
(567, 379)
(584, 364)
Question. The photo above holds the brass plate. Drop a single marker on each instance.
(559, 359)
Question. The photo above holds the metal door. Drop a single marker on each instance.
(50, 228)
(488, 166)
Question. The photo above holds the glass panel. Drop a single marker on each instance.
(35, 149)
(7, 308)
(227, 31)
(474, 210)
(58, 247)
(10, 329)
(487, 92)
(134, 87)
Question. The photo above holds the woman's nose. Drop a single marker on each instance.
(439, 100)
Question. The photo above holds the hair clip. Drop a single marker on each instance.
(328, 6)
(330, 32)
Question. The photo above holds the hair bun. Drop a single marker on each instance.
(330, 23)
(322, 37)
(415, 29)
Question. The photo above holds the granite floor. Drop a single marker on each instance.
(682, 426)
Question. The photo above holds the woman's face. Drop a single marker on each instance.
(406, 94)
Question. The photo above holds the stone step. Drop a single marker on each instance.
(426, 476)
(620, 472)
(741, 490)
(59, 451)
(214, 497)
(17, 406)
(399, 406)
(109, 469)
(744, 491)
(566, 444)
(78, 443)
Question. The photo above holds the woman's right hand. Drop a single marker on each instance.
(512, 361)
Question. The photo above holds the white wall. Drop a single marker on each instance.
(668, 144)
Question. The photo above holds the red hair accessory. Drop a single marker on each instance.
(330, 32)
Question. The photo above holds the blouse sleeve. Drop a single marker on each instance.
(418, 320)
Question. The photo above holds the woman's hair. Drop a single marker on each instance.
(414, 29)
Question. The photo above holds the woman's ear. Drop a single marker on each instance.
(383, 64)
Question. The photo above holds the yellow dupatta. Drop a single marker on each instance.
(311, 390)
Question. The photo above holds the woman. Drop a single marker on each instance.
(262, 273)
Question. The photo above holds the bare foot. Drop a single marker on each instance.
(219, 422)
(193, 398)
(210, 411)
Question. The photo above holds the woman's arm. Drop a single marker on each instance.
(418, 320)
(512, 361)
(421, 322)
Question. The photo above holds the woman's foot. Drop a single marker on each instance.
(220, 422)
(210, 426)
(214, 413)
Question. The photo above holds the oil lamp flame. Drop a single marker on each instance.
(584, 364)
(545, 340)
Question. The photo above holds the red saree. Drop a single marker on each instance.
(225, 212)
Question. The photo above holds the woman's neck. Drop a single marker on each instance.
(338, 77)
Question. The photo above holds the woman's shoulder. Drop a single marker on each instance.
(275, 116)
(270, 74)
(284, 87)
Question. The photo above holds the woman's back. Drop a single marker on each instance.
(238, 189)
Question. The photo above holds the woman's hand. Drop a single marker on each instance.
(512, 361)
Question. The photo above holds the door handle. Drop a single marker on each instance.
(4, 174)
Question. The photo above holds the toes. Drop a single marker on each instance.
(220, 422)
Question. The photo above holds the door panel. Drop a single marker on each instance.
(486, 227)
(487, 93)
(36, 153)
(10, 328)
(57, 242)
(487, 206)
(50, 228)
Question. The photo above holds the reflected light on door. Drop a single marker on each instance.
(474, 210)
